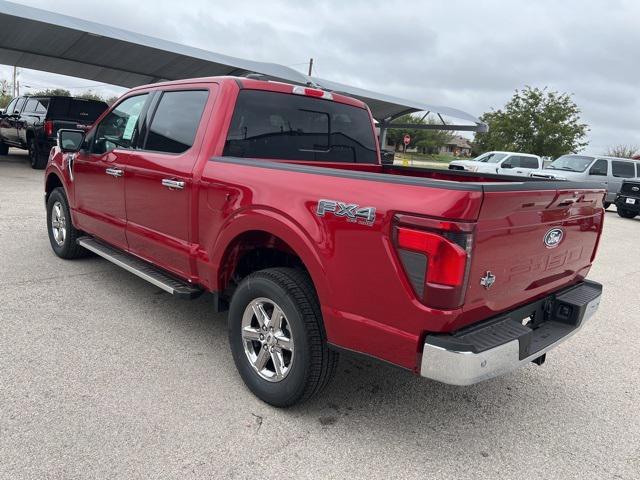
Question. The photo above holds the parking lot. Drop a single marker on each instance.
(102, 375)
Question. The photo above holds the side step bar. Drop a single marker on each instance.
(142, 269)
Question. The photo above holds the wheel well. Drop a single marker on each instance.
(53, 182)
(252, 251)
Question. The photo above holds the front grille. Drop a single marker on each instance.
(631, 188)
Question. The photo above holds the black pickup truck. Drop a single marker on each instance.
(628, 200)
(32, 122)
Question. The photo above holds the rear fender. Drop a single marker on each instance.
(279, 225)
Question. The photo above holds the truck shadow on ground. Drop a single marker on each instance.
(365, 393)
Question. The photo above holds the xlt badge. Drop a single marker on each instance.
(351, 211)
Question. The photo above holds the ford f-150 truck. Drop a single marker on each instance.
(272, 198)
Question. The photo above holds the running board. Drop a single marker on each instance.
(142, 269)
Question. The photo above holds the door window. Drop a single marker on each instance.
(119, 129)
(19, 104)
(599, 168)
(31, 105)
(528, 162)
(511, 162)
(175, 121)
(9, 110)
(623, 169)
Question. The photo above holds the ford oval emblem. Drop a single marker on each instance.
(553, 237)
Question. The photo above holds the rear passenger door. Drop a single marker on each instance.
(159, 188)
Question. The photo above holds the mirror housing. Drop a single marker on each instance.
(70, 140)
(506, 165)
(387, 157)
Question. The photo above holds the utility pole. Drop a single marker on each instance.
(13, 85)
(310, 65)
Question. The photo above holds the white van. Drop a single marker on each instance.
(589, 168)
(505, 163)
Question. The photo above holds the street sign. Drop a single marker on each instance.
(407, 139)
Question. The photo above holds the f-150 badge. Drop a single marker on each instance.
(351, 211)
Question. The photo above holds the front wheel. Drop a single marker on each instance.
(624, 213)
(277, 339)
(606, 205)
(62, 233)
(4, 148)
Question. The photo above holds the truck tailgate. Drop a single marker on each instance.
(510, 243)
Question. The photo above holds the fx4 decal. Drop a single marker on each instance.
(351, 211)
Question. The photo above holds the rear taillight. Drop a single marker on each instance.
(435, 255)
(48, 128)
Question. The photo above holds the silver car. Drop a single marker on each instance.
(592, 168)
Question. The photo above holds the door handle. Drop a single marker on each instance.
(114, 172)
(172, 184)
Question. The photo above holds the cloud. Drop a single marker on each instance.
(466, 54)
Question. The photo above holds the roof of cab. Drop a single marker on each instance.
(252, 84)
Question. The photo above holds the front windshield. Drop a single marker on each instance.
(490, 157)
(571, 163)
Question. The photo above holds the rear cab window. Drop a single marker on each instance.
(284, 126)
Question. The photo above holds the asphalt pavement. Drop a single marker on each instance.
(104, 376)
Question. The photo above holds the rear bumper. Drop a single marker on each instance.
(621, 202)
(502, 344)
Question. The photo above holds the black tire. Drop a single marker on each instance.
(4, 148)
(68, 247)
(36, 159)
(624, 213)
(313, 364)
(606, 205)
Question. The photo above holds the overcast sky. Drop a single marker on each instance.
(465, 54)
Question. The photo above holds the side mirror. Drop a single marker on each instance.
(595, 171)
(388, 157)
(506, 165)
(70, 140)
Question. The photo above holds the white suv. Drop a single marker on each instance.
(505, 163)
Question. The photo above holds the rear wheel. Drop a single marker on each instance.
(624, 213)
(62, 233)
(277, 339)
(36, 159)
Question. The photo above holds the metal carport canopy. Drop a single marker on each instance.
(48, 41)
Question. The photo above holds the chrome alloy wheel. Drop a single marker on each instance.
(58, 224)
(267, 339)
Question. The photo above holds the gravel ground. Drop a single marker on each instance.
(104, 376)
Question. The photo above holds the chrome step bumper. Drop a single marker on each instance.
(500, 345)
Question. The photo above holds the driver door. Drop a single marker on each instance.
(99, 171)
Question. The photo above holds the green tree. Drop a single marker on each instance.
(538, 121)
(427, 141)
(91, 95)
(61, 92)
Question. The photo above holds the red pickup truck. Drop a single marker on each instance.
(272, 198)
